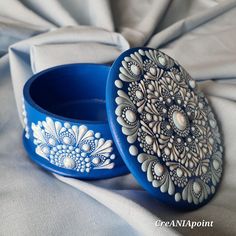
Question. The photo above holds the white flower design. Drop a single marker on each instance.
(196, 191)
(137, 94)
(132, 68)
(179, 174)
(156, 173)
(127, 116)
(158, 57)
(71, 146)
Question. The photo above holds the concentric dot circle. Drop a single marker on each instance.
(179, 120)
(174, 133)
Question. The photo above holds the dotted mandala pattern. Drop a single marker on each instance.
(71, 146)
(169, 126)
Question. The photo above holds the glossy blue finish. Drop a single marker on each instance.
(148, 104)
(125, 78)
(66, 105)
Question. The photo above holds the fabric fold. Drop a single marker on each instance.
(73, 44)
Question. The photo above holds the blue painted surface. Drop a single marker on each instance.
(74, 94)
(123, 145)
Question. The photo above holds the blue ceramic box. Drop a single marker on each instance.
(68, 131)
(145, 115)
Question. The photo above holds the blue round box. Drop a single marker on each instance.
(67, 131)
(163, 127)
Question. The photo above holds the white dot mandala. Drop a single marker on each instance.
(72, 147)
(162, 112)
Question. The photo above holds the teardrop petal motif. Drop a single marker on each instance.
(173, 125)
(72, 147)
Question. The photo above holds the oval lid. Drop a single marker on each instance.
(164, 128)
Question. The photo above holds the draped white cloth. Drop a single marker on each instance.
(35, 35)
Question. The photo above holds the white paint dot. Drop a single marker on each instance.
(45, 150)
(216, 164)
(158, 169)
(162, 60)
(66, 140)
(96, 160)
(200, 105)
(130, 116)
(177, 197)
(191, 164)
(148, 117)
(139, 94)
(135, 69)
(213, 189)
(179, 120)
(192, 83)
(177, 76)
(149, 140)
(97, 135)
(167, 151)
(196, 187)
(204, 169)
(69, 163)
(52, 141)
(118, 83)
(153, 71)
(212, 123)
(150, 86)
(133, 150)
(179, 172)
(86, 147)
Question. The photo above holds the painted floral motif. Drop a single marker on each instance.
(156, 173)
(127, 116)
(71, 146)
(132, 68)
(161, 110)
(196, 191)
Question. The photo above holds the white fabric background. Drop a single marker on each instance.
(200, 34)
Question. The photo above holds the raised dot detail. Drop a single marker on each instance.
(133, 150)
(118, 84)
